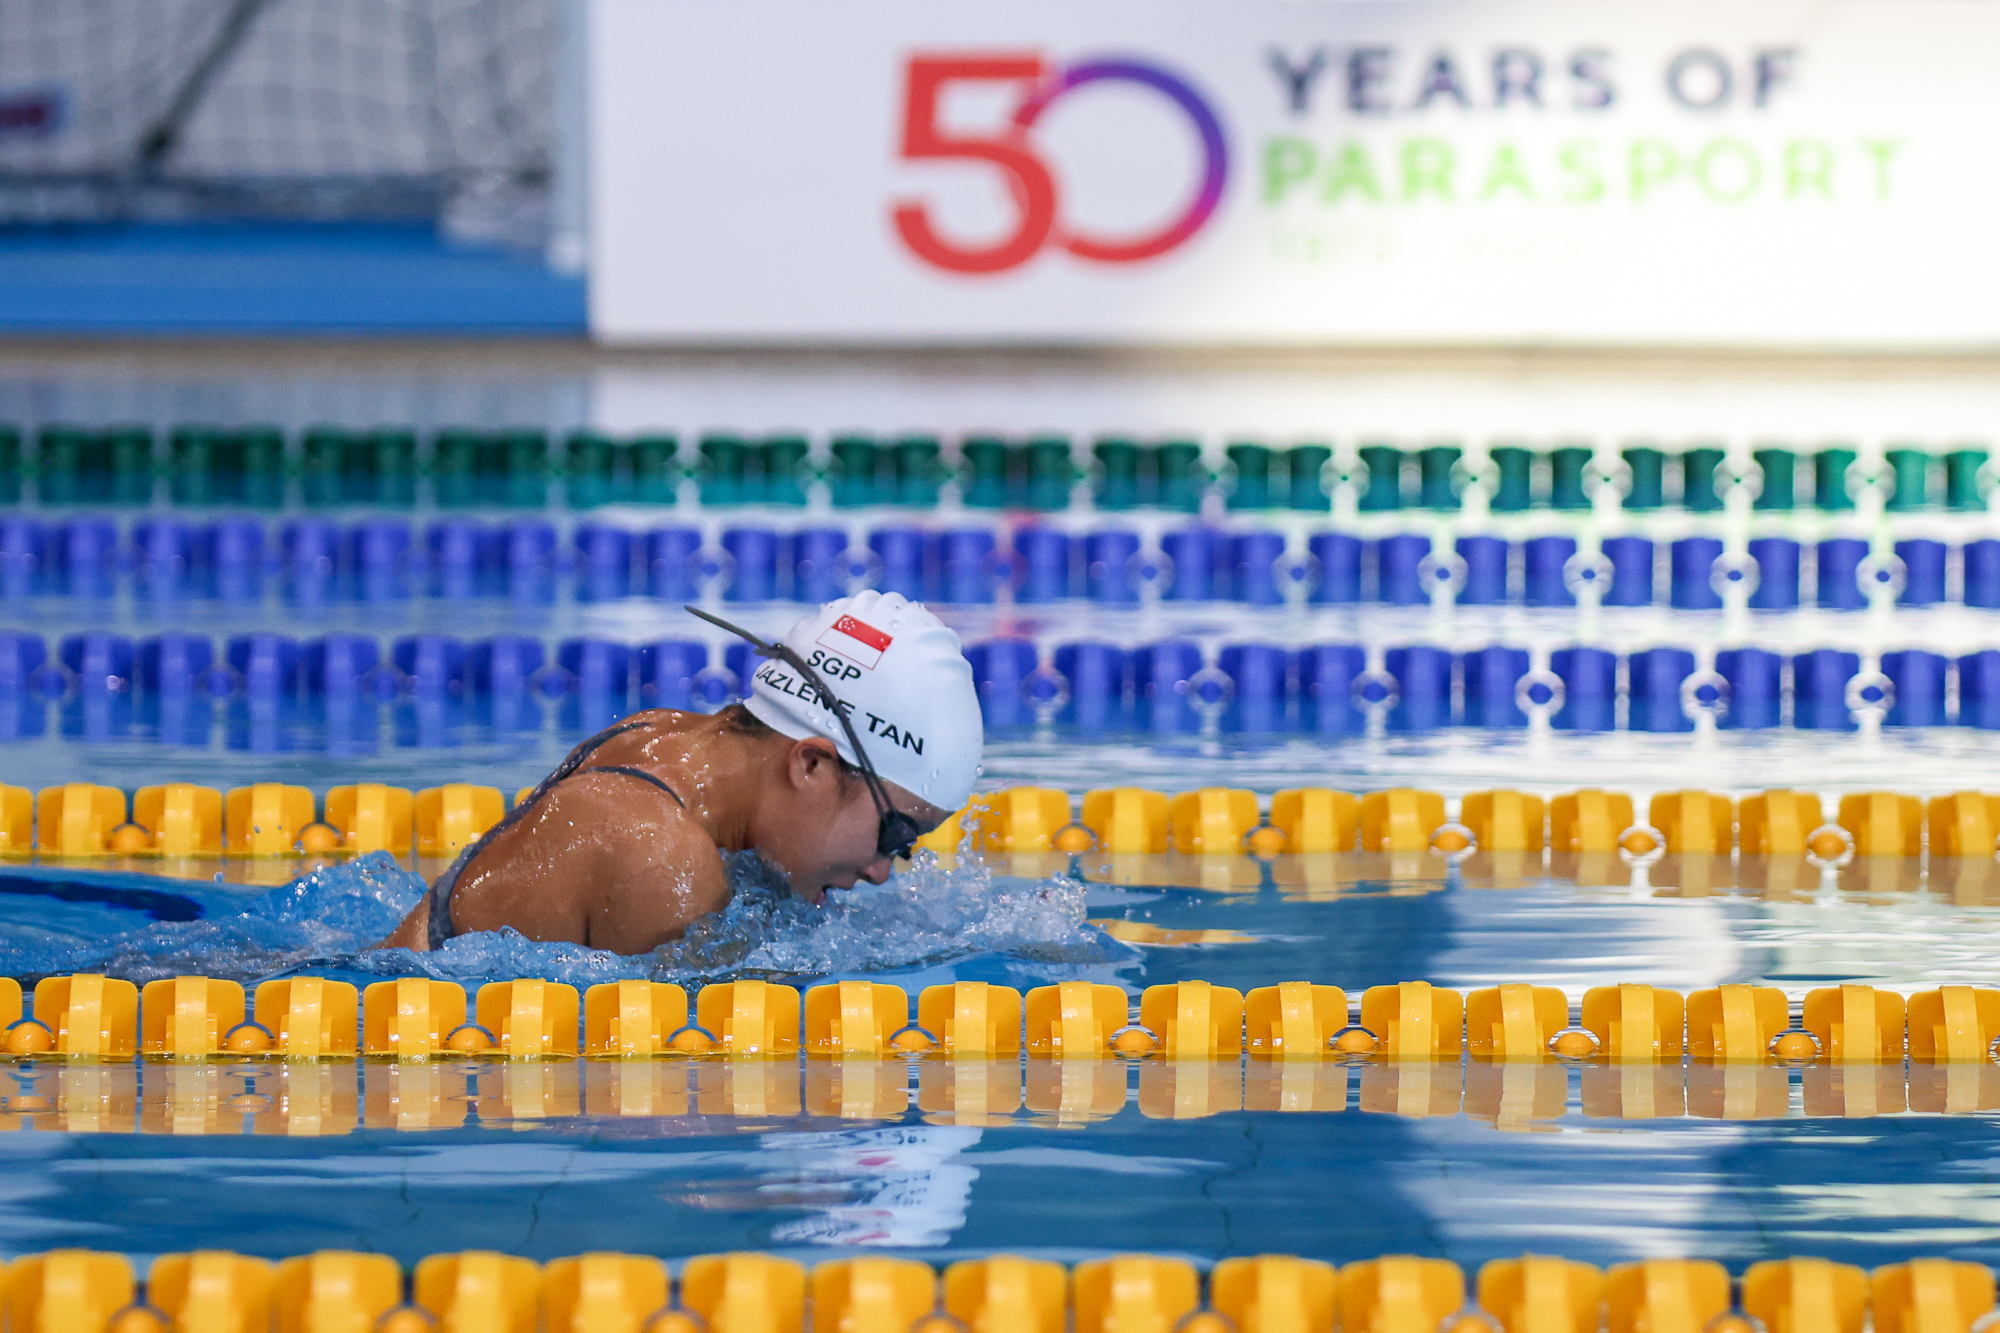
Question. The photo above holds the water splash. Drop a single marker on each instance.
(316, 919)
(926, 915)
(328, 921)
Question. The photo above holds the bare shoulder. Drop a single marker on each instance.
(671, 720)
(646, 868)
(602, 859)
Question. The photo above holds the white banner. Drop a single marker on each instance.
(1296, 172)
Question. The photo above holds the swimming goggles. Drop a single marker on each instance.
(897, 834)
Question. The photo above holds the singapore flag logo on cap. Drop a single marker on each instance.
(853, 639)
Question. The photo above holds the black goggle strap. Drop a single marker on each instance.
(779, 652)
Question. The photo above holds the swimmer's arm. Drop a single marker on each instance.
(415, 932)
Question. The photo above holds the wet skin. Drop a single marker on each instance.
(610, 861)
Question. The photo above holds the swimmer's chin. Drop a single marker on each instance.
(817, 897)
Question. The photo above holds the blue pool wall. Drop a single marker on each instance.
(292, 278)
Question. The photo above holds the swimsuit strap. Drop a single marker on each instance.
(574, 759)
(440, 926)
(640, 774)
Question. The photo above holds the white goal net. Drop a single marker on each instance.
(321, 109)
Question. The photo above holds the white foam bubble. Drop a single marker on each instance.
(924, 915)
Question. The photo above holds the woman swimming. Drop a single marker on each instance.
(861, 733)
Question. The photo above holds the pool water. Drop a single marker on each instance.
(1845, 581)
(1066, 1159)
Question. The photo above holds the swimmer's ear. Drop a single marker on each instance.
(810, 758)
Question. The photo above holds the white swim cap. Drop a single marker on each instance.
(900, 674)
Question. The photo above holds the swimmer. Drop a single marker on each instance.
(621, 847)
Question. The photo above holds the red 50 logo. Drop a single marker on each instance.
(1012, 153)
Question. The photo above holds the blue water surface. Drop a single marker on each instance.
(678, 1157)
